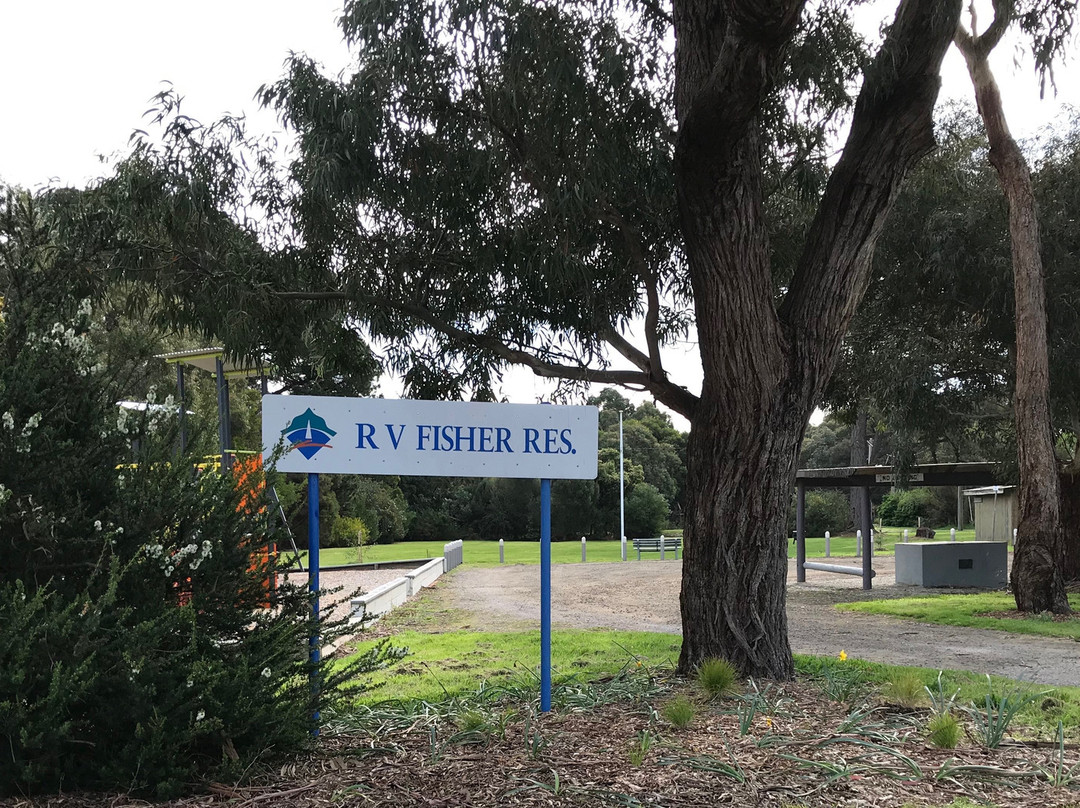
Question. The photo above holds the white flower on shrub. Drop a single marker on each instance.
(266, 673)
(9, 421)
(97, 525)
(199, 716)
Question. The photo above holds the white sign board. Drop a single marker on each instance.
(329, 435)
(891, 478)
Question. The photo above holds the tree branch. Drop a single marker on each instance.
(625, 348)
(671, 395)
(892, 128)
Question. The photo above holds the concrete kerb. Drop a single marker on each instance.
(389, 596)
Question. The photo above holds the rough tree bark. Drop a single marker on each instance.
(765, 366)
(1037, 581)
(1070, 522)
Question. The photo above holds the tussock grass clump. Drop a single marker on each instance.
(717, 677)
(905, 689)
(943, 731)
(679, 712)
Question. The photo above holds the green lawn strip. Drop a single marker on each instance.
(1041, 716)
(483, 553)
(965, 610)
(438, 666)
(452, 664)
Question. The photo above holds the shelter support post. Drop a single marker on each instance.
(545, 596)
(868, 541)
(800, 532)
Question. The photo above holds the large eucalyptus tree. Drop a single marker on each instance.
(547, 184)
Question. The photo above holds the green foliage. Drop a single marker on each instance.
(904, 688)
(843, 682)
(993, 717)
(826, 510)
(826, 445)
(943, 730)
(751, 704)
(348, 531)
(903, 508)
(639, 749)
(646, 511)
(139, 652)
(717, 677)
(679, 711)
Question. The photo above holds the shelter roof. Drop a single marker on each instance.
(927, 474)
(989, 490)
(206, 359)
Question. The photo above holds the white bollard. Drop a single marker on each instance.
(582, 549)
(952, 534)
(858, 543)
(871, 541)
(661, 548)
(624, 548)
(1014, 537)
(827, 537)
(502, 552)
(905, 535)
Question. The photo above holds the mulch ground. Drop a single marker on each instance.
(799, 749)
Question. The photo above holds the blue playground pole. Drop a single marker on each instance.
(313, 585)
(545, 596)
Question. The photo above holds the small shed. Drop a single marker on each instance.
(997, 512)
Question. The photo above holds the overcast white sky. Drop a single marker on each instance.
(76, 76)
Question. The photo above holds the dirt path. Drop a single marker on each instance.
(645, 597)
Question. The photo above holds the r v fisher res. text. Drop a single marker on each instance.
(453, 438)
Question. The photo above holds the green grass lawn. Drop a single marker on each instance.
(451, 663)
(483, 553)
(965, 610)
(456, 663)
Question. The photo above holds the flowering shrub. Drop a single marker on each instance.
(135, 651)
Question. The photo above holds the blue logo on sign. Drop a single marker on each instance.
(309, 433)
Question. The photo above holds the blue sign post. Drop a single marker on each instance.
(313, 585)
(545, 596)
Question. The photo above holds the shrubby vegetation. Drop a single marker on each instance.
(905, 507)
(137, 649)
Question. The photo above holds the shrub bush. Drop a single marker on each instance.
(646, 511)
(826, 510)
(903, 508)
(137, 652)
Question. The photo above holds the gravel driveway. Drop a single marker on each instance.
(644, 596)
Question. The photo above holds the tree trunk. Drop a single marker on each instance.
(1070, 522)
(1037, 581)
(740, 474)
(765, 367)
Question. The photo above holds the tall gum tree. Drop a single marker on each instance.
(1037, 574)
(765, 365)
(504, 182)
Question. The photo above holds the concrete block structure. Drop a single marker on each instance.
(982, 564)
